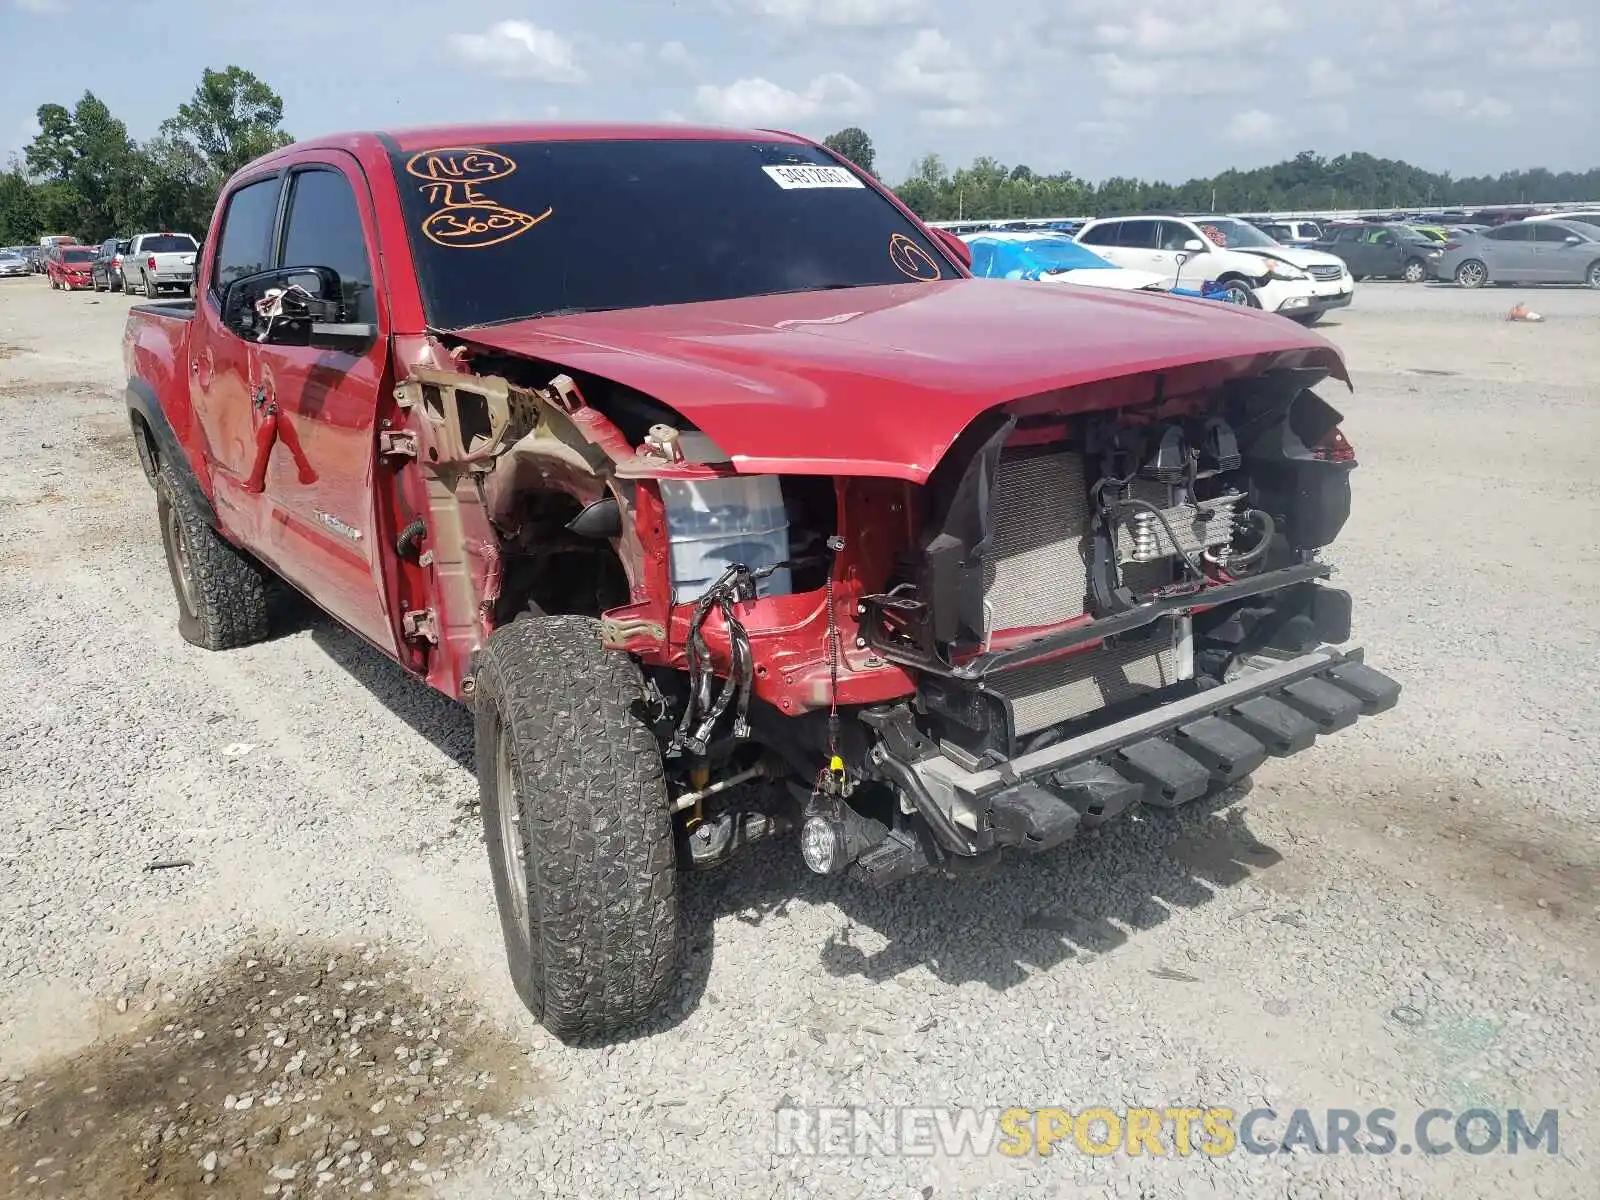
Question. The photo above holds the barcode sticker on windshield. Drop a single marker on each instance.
(808, 176)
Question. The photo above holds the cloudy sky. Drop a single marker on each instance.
(1164, 89)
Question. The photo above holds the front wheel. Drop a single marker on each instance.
(1415, 271)
(1237, 291)
(1472, 274)
(1593, 276)
(578, 827)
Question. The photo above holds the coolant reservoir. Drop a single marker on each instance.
(715, 523)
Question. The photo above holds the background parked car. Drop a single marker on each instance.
(1292, 233)
(1257, 271)
(36, 259)
(157, 260)
(1384, 251)
(12, 264)
(1526, 252)
(106, 270)
(69, 267)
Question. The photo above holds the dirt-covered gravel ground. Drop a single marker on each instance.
(314, 1003)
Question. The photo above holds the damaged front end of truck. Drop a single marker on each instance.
(1099, 596)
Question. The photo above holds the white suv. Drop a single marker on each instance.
(1254, 269)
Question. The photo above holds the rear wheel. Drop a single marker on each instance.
(1472, 274)
(1415, 270)
(221, 591)
(578, 827)
(1593, 276)
(149, 287)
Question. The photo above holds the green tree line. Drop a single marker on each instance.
(84, 175)
(989, 189)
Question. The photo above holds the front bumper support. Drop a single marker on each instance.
(1165, 757)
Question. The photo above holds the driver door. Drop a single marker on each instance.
(323, 532)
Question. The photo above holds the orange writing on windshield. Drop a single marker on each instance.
(462, 215)
(911, 259)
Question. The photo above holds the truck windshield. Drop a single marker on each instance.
(510, 231)
(167, 243)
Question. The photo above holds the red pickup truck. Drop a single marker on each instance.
(735, 507)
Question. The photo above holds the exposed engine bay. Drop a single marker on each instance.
(1077, 612)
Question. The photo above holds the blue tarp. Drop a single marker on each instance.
(1009, 258)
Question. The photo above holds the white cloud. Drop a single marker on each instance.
(940, 78)
(1552, 47)
(1453, 102)
(1157, 77)
(1335, 118)
(1324, 77)
(1179, 29)
(520, 50)
(759, 101)
(1253, 126)
(676, 54)
(838, 14)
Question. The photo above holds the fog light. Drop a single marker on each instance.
(822, 845)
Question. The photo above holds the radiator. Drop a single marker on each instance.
(1037, 574)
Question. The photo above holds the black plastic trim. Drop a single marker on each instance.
(142, 400)
(977, 668)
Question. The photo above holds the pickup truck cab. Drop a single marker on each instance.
(735, 508)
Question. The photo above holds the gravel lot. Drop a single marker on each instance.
(1407, 917)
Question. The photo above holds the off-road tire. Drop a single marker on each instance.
(560, 735)
(1414, 271)
(221, 591)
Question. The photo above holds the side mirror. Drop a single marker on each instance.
(957, 248)
(1573, 239)
(293, 306)
(1195, 246)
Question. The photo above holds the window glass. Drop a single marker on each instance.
(245, 242)
(1141, 235)
(324, 230)
(1175, 235)
(519, 230)
(1510, 233)
(1546, 232)
(1102, 235)
(167, 243)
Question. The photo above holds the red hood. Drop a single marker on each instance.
(881, 380)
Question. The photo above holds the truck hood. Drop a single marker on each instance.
(881, 380)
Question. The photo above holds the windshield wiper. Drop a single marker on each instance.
(549, 312)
